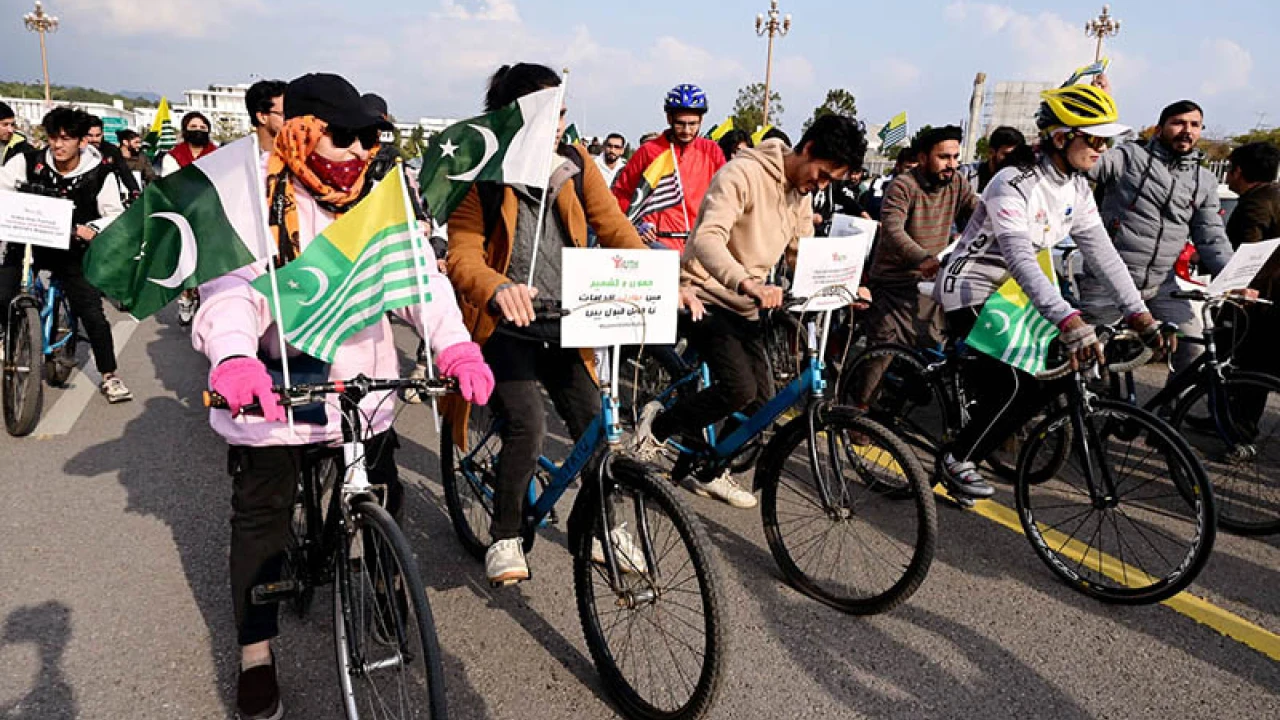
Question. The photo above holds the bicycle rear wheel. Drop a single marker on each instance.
(389, 663)
(658, 641)
(1235, 435)
(1142, 537)
(470, 479)
(62, 361)
(23, 366)
(867, 545)
(909, 400)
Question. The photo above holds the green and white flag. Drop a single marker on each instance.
(1011, 330)
(571, 135)
(509, 146)
(190, 227)
(359, 267)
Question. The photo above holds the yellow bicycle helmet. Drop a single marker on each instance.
(1079, 107)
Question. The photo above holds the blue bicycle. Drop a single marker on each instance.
(40, 345)
(649, 599)
(847, 507)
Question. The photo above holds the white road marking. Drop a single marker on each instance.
(82, 387)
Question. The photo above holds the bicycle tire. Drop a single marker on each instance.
(470, 505)
(902, 579)
(685, 535)
(1248, 503)
(1006, 462)
(368, 625)
(1182, 518)
(59, 365)
(23, 385)
(909, 401)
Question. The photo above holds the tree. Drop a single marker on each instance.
(225, 130)
(982, 148)
(1271, 135)
(839, 102)
(411, 146)
(748, 111)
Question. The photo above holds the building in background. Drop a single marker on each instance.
(1014, 103)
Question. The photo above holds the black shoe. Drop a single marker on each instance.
(258, 693)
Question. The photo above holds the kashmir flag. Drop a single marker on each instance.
(894, 131)
(758, 136)
(571, 135)
(359, 267)
(1011, 330)
(720, 130)
(161, 137)
(509, 146)
(658, 189)
(185, 229)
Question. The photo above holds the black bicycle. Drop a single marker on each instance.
(389, 661)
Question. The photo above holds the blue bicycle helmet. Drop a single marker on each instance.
(686, 97)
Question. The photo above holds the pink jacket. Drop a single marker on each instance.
(234, 319)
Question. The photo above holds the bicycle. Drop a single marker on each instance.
(858, 474)
(1083, 467)
(40, 346)
(1226, 415)
(388, 656)
(674, 590)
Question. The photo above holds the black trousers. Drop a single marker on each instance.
(733, 349)
(264, 486)
(1256, 352)
(85, 300)
(520, 364)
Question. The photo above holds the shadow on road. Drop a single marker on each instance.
(48, 627)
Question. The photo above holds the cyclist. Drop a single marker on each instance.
(697, 158)
(1003, 142)
(195, 145)
(11, 141)
(72, 169)
(756, 208)
(1025, 210)
(316, 171)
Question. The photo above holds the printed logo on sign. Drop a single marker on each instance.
(620, 264)
(839, 257)
(1041, 216)
(1068, 213)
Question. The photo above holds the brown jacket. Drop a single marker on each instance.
(1257, 218)
(478, 265)
(750, 216)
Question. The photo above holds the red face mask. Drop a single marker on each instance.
(340, 175)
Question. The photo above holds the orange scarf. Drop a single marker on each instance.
(288, 165)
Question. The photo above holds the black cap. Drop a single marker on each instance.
(330, 98)
(376, 105)
(6, 112)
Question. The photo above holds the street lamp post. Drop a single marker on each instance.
(1101, 27)
(771, 27)
(42, 23)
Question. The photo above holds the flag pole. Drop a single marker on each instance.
(542, 204)
(271, 272)
(420, 262)
(684, 201)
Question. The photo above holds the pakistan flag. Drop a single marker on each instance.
(510, 145)
(190, 227)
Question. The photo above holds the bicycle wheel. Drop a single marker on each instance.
(389, 662)
(1146, 532)
(909, 400)
(658, 641)
(1234, 435)
(23, 363)
(62, 361)
(1046, 463)
(470, 478)
(867, 546)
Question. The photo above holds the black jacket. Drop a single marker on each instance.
(1257, 218)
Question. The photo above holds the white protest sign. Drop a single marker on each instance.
(1244, 266)
(619, 297)
(35, 220)
(826, 263)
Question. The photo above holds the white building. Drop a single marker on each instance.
(1014, 104)
(30, 111)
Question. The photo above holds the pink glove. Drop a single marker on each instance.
(464, 362)
(242, 380)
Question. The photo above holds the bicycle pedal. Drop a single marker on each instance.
(270, 593)
(507, 583)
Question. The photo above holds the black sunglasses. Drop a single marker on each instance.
(345, 137)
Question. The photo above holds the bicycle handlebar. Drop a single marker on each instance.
(308, 393)
(1215, 298)
(1109, 335)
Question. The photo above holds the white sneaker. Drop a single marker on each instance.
(644, 446)
(187, 308)
(504, 562)
(411, 396)
(630, 556)
(723, 488)
(115, 390)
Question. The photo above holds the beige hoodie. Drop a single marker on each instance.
(750, 216)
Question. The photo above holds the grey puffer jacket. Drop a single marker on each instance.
(1153, 202)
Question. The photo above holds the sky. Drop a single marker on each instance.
(432, 57)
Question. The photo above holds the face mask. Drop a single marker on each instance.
(341, 174)
(199, 138)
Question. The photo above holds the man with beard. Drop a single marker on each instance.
(135, 160)
(111, 156)
(920, 209)
(1156, 197)
(611, 161)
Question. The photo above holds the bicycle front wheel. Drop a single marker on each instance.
(908, 399)
(657, 639)
(388, 656)
(1234, 432)
(856, 528)
(470, 478)
(1129, 516)
(23, 371)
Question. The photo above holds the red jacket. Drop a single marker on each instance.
(699, 161)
